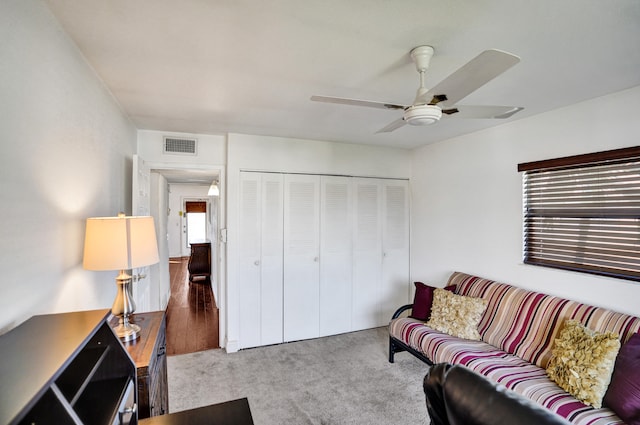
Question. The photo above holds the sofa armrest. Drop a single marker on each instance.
(401, 310)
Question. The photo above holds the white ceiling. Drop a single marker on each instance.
(250, 66)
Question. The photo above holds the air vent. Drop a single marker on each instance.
(180, 146)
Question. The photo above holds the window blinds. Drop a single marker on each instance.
(584, 217)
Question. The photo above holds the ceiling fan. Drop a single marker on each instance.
(429, 105)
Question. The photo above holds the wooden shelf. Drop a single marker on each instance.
(99, 403)
(65, 368)
(83, 366)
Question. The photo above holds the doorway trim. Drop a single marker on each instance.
(221, 249)
(209, 228)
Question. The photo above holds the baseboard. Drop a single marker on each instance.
(231, 346)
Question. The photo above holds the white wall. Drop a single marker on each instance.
(467, 198)
(65, 155)
(211, 150)
(262, 153)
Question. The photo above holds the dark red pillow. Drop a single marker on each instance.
(623, 394)
(423, 299)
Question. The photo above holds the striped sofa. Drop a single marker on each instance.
(517, 332)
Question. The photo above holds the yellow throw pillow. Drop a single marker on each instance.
(582, 362)
(456, 315)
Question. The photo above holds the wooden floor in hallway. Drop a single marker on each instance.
(192, 313)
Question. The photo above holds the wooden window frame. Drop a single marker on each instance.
(582, 213)
(195, 206)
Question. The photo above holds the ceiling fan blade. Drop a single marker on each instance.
(438, 98)
(484, 111)
(476, 73)
(357, 102)
(393, 126)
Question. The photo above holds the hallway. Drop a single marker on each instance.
(192, 313)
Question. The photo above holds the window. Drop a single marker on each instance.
(582, 213)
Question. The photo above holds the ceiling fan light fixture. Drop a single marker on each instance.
(421, 115)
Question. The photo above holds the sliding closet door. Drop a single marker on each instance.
(272, 245)
(249, 260)
(335, 255)
(261, 258)
(395, 247)
(367, 253)
(301, 257)
(320, 255)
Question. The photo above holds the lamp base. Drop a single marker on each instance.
(123, 307)
(127, 331)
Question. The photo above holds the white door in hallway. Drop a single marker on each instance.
(141, 206)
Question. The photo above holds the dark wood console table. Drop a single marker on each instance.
(234, 412)
(148, 352)
(200, 261)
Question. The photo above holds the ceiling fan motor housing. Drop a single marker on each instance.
(421, 56)
(422, 114)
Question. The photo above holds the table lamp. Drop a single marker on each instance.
(121, 243)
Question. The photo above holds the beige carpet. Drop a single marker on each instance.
(344, 379)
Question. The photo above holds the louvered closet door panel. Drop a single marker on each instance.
(272, 258)
(261, 257)
(335, 255)
(301, 257)
(395, 247)
(249, 272)
(367, 253)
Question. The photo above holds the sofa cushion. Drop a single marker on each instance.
(456, 315)
(525, 323)
(514, 373)
(623, 394)
(532, 382)
(516, 320)
(438, 346)
(582, 361)
(422, 300)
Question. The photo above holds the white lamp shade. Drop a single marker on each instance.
(120, 243)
